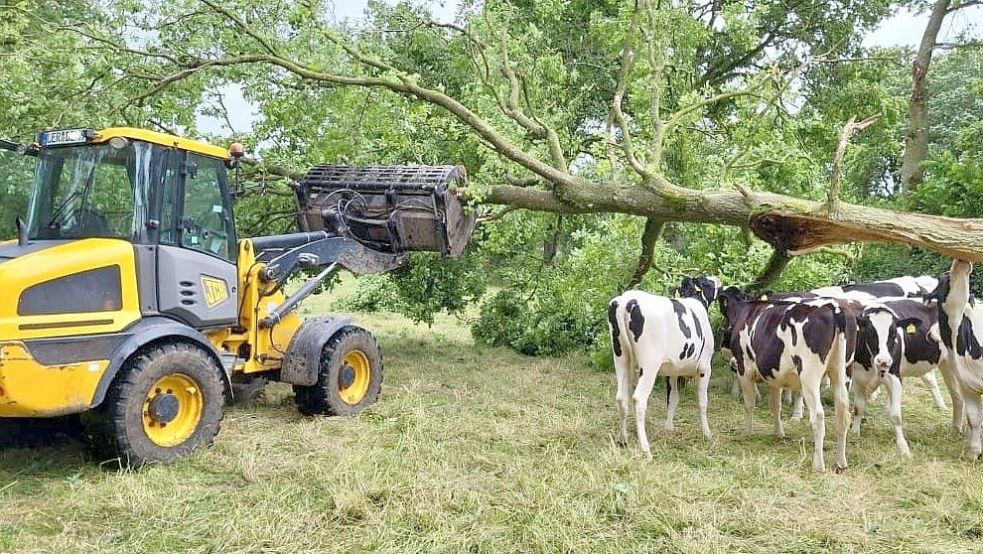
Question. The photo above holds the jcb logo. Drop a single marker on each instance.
(216, 291)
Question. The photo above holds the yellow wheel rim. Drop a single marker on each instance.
(172, 409)
(354, 377)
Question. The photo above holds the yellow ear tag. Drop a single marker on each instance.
(911, 328)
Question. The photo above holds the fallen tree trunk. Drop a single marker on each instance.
(791, 225)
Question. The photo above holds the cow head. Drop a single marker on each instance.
(880, 339)
(703, 288)
(729, 296)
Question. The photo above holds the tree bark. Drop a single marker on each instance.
(916, 139)
(791, 225)
(776, 264)
(650, 236)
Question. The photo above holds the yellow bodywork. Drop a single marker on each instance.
(163, 140)
(27, 387)
(266, 346)
(60, 261)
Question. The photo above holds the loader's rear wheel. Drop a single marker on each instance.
(349, 377)
(166, 402)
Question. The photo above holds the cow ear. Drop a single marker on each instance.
(910, 325)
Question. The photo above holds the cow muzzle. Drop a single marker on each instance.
(882, 363)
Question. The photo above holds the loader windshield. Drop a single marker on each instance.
(92, 190)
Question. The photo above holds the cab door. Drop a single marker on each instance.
(196, 258)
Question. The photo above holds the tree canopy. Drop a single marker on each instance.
(622, 123)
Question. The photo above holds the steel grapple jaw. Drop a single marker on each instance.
(388, 208)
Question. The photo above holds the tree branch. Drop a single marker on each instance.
(851, 127)
(627, 61)
(650, 236)
(772, 270)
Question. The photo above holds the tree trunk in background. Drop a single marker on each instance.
(650, 236)
(916, 140)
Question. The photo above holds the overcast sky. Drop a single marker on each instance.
(903, 29)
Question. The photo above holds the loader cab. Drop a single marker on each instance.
(169, 197)
(131, 189)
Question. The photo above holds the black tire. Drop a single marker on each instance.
(325, 396)
(120, 419)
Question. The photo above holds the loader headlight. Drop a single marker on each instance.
(65, 137)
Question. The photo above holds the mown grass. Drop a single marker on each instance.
(479, 449)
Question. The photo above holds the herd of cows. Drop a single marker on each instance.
(855, 338)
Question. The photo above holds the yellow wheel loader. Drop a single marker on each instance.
(127, 295)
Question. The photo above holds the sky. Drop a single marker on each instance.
(903, 29)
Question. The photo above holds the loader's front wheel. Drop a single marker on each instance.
(349, 377)
(167, 401)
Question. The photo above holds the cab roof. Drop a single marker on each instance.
(163, 140)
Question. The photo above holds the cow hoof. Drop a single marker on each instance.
(974, 456)
(670, 428)
(906, 453)
(819, 468)
(840, 469)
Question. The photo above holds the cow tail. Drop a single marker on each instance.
(840, 353)
(627, 345)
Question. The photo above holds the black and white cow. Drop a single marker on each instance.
(898, 287)
(961, 331)
(895, 341)
(661, 336)
(792, 345)
(915, 362)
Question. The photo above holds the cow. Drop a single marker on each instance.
(961, 331)
(792, 345)
(898, 287)
(661, 336)
(895, 341)
(888, 290)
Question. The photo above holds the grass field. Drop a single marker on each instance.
(475, 449)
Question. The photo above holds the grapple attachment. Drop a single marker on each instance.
(388, 208)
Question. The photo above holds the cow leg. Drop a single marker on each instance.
(787, 396)
(797, 406)
(735, 387)
(641, 398)
(933, 387)
(622, 372)
(702, 394)
(841, 405)
(672, 402)
(775, 400)
(955, 393)
(894, 412)
(974, 412)
(860, 394)
(750, 391)
(817, 417)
